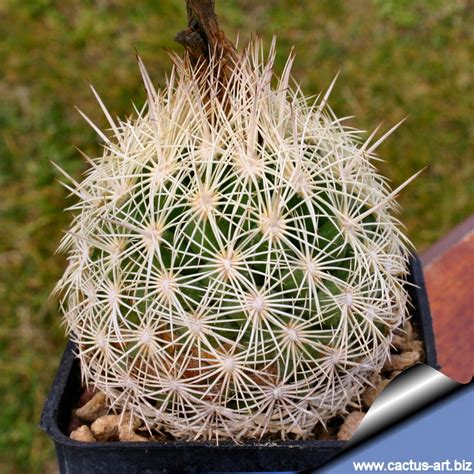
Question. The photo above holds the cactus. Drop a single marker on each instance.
(235, 268)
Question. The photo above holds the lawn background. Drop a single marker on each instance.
(396, 57)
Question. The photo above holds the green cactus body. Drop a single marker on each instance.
(233, 273)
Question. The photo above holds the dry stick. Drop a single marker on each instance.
(203, 38)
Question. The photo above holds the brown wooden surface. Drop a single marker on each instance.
(449, 275)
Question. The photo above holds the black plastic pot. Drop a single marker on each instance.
(176, 456)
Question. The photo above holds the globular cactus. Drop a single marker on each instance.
(235, 268)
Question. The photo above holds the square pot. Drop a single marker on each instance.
(154, 457)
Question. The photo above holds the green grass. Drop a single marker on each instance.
(396, 57)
